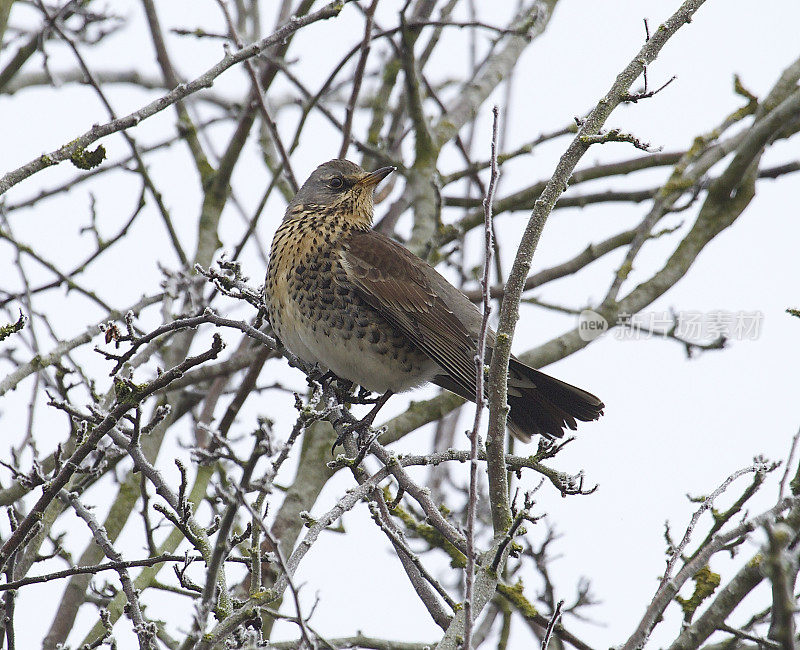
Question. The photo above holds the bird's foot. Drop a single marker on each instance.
(362, 427)
(363, 396)
(345, 431)
(320, 375)
(366, 436)
(365, 440)
(342, 388)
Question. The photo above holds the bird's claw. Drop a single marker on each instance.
(363, 425)
(319, 375)
(365, 440)
(366, 436)
(363, 428)
(346, 430)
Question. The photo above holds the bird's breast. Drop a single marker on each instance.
(319, 316)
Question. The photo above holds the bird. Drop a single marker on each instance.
(364, 308)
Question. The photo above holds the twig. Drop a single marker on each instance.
(68, 278)
(106, 566)
(415, 570)
(615, 135)
(221, 548)
(552, 624)
(480, 358)
(281, 561)
(171, 80)
(506, 540)
(664, 595)
(788, 468)
(54, 356)
(79, 144)
(145, 631)
(421, 496)
(90, 443)
(358, 78)
(109, 166)
(526, 25)
(645, 93)
(509, 310)
(708, 502)
(760, 641)
(346, 503)
(591, 253)
(358, 641)
(208, 316)
(7, 625)
(91, 156)
(258, 93)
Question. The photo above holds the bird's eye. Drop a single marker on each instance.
(336, 182)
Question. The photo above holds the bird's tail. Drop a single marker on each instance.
(543, 405)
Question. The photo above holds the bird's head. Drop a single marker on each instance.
(339, 188)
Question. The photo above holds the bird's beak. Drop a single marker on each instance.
(373, 178)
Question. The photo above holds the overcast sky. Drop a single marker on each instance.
(672, 426)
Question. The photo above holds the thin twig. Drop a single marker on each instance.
(205, 80)
(141, 168)
(358, 78)
(258, 93)
(708, 502)
(145, 631)
(788, 468)
(480, 358)
(509, 310)
(106, 425)
(548, 633)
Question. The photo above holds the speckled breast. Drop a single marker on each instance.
(321, 318)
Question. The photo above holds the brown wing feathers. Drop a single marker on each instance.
(392, 281)
(389, 280)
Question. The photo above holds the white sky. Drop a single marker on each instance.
(672, 426)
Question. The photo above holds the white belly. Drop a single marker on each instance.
(353, 358)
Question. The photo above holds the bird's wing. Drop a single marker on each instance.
(407, 292)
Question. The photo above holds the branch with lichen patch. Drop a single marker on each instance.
(183, 90)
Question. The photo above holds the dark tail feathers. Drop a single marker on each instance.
(543, 405)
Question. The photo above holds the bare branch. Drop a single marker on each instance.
(205, 80)
(480, 358)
